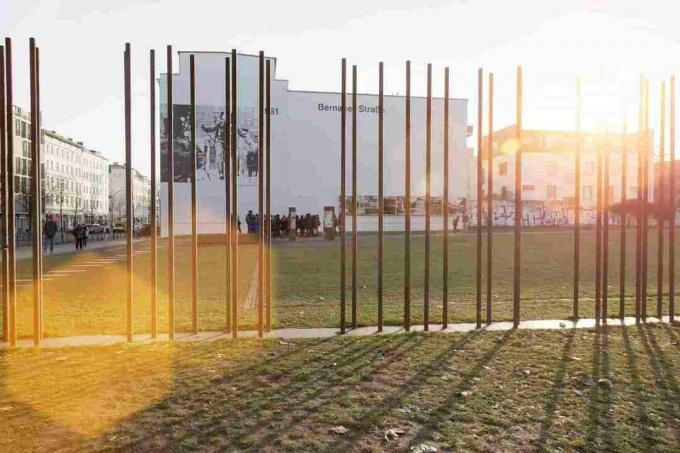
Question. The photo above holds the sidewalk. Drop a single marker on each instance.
(325, 332)
(26, 252)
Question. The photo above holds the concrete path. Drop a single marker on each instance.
(70, 248)
(327, 332)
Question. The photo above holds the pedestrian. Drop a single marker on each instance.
(76, 235)
(49, 231)
(250, 217)
(456, 219)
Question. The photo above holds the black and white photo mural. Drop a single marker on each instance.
(305, 147)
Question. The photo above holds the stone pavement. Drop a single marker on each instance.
(328, 332)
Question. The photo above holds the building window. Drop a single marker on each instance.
(551, 192)
(551, 167)
(587, 192)
(503, 169)
(590, 168)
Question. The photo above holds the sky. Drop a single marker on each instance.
(608, 43)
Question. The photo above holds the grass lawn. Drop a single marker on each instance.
(91, 300)
(570, 390)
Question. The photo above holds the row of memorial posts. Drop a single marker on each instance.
(644, 146)
(8, 271)
(7, 224)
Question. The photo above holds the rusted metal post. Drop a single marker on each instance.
(480, 195)
(518, 204)
(645, 211)
(445, 207)
(355, 237)
(428, 201)
(36, 224)
(3, 201)
(380, 197)
(194, 212)
(489, 205)
(343, 193)
(128, 195)
(260, 198)
(659, 198)
(598, 238)
(171, 200)
(623, 223)
(268, 194)
(407, 204)
(11, 189)
(40, 188)
(671, 204)
(577, 201)
(638, 217)
(227, 196)
(234, 195)
(154, 222)
(605, 232)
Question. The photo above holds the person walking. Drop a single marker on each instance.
(49, 231)
(75, 233)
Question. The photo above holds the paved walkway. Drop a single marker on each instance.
(70, 248)
(328, 332)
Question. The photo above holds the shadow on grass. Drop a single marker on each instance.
(643, 421)
(442, 411)
(556, 395)
(600, 399)
(665, 377)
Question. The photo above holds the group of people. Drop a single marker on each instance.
(80, 233)
(306, 225)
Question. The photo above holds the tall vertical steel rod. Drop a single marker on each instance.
(428, 200)
(638, 214)
(171, 200)
(194, 212)
(518, 204)
(659, 197)
(40, 189)
(480, 195)
(227, 196)
(577, 200)
(598, 238)
(623, 223)
(36, 227)
(355, 237)
(407, 203)
(3, 201)
(234, 195)
(11, 189)
(128, 195)
(489, 205)
(380, 197)
(154, 222)
(645, 210)
(605, 232)
(671, 205)
(260, 198)
(445, 207)
(268, 195)
(343, 193)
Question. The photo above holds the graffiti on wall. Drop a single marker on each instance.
(543, 214)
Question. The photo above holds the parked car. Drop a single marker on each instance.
(118, 227)
(95, 228)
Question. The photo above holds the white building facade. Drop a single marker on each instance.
(141, 195)
(75, 181)
(305, 144)
(549, 170)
